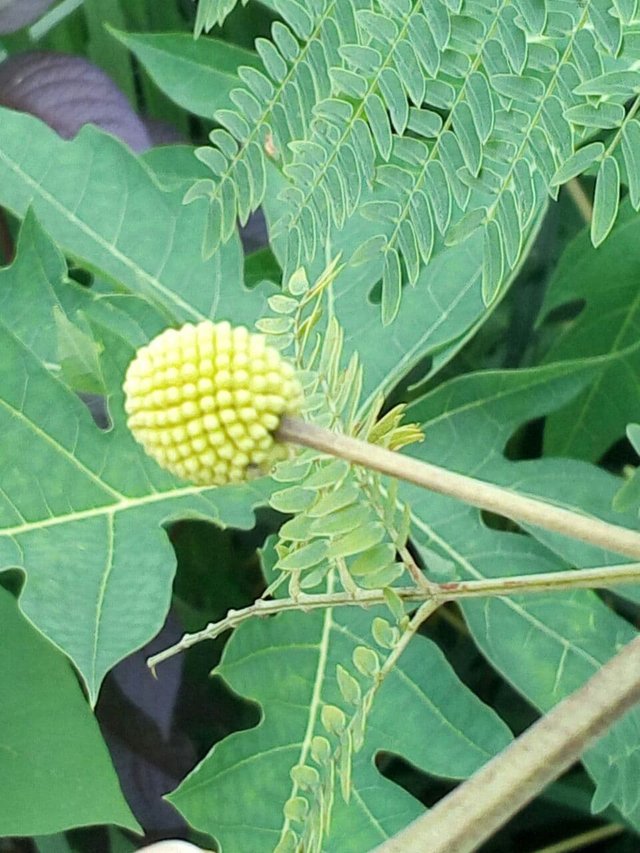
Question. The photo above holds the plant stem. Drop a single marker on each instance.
(467, 817)
(580, 199)
(436, 593)
(478, 493)
(584, 839)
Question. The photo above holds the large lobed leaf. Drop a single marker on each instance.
(52, 752)
(606, 281)
(81, 510)
(105, 209)
(288, 664)
(546, 645)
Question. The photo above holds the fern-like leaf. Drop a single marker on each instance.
(213, 12)
(435, 119)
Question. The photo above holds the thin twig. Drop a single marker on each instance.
(466, 818)
(437, 593)
(584, 839)
(478, 493)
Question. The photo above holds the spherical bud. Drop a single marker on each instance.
(196, 401)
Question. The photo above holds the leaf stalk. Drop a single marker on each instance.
(605, 576)
(470, 815)
(478, 493)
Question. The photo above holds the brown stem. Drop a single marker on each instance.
(467, 817)
(597, 578)
(580, 199)
(487, 496)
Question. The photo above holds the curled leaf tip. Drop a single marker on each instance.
(205, 401)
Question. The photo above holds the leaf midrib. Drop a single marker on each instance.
(95, 512)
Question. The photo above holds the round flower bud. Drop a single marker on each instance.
(192, 401)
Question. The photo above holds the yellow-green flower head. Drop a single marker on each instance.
(204, 401)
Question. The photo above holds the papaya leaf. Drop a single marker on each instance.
(288, 665)
(606, 280)
(107, 210)
(549, 644)
(52, 751)
(81, 510)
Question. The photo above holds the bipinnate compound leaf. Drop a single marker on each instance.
(436, 316)
(81, 510)
(497, 102)
(288, 664)
(546, 645)
(55, 770)
(106, 210)
(609, 324)
(197, 75)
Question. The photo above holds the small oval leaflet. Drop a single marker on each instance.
(373, 560)
(383, 578)
(346, 495)
(366, 661)
(298, 529)
(320, 749)
(296, 809)
(342, 521)
(383, 633)
(305, 777)
(606, 200)
(293, 499)
(305, 557)
(333, 719)
(356, 541)
(349, 687)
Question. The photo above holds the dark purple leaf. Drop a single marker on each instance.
(17, 13)
(254, 234)
(68, 92)
(135, 712)
(155, 697)
(162, 133)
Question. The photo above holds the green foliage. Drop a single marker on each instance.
(198, 75)
(607, 324)
(556, 640)
(73, 531)
(629, 495)
(289, 665)
(405, 154)
(52, 752)
(522, 89)
(82, 193)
